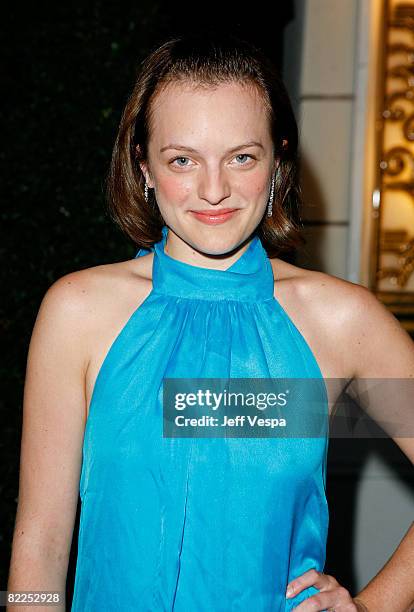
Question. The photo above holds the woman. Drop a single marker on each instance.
(203, 178)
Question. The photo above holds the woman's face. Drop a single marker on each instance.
(210, 149)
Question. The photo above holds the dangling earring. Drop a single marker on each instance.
(270, 203)
(146, 192)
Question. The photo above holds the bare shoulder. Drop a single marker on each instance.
(348, 316)
(86, 282)
(330, 294)
(90, 283)
(84, 299)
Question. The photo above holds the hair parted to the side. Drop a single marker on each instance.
(207, 61)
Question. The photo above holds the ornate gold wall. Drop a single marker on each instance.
(392, 252)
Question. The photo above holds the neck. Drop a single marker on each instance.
(206, 253)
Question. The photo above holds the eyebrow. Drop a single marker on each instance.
(178, 147)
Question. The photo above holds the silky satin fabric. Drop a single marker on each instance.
(197, 524)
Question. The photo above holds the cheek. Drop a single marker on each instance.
(174, 189)
(254, 186)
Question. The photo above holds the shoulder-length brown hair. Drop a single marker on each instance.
(206, 60)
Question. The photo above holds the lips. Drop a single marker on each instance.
(214, 217)
(214, 213)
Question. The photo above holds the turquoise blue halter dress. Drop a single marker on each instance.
(197, 524)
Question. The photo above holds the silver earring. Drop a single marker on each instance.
(270, 203)
(146, 192)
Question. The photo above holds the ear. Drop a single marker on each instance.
(145, 172)
(144, 167)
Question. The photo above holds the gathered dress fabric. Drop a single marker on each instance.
(198, 524)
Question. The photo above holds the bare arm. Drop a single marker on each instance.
(390, 589)
(52, 437)
(381, 349)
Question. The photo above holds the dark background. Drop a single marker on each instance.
(67, 70)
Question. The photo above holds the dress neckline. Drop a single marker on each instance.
(248, 279)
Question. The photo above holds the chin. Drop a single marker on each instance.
(222, 242)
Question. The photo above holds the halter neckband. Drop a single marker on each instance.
(248, 279)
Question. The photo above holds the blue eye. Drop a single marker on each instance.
(243, 155)
(180, 158)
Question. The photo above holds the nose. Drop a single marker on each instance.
(214, 186)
